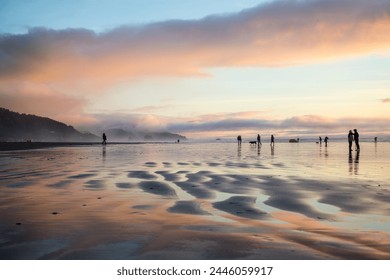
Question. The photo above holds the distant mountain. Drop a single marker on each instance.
(121, 135)
(16, 127)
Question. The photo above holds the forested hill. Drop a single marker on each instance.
(15, 127)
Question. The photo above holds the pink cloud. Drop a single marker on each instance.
(66, 64)
(151, 109)
(40, 99)
(386, 100)
(276, 34)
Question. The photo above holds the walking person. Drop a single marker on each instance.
(350, 140)
(356, 138)
(320, 138)
(258, 140)
(272, 140)
(326, 141)
(104, 139)
(239, 139)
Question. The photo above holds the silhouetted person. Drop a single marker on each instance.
(239, 139)
(272, 140)
(178, 140)
(350, 140)
(356, 138)
(375, 139)
(326, 141)
(320, 138)
(104, 139)
(258, 140)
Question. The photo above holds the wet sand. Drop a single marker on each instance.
(195, 201)
(17, 146)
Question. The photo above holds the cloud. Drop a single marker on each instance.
(245, 123)
(151, 109)
(276, 34)
(386, 100)
(64, 69)
(299, 125)
(37, 98)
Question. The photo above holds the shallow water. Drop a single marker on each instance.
(196, 201)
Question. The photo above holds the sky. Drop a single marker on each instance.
(200, 68)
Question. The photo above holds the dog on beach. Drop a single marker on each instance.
(253, 142)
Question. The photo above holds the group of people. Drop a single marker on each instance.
(239, 140)
(353, 136)
(325, 140)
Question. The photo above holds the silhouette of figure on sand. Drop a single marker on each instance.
(350, 140)
(104, 139)
(320, 138)
(239, 139)
(356, 138)
(375, 139)
(272, 140)
(326, 141)
(258, 140)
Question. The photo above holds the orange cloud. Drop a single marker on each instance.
(34, 98)
(276, 34)
(77, 62)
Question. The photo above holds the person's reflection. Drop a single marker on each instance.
(239, 150)
(272, 150)
(354, 163)
(376, 147)
(258, 150)
(104, 153)
(350, 162)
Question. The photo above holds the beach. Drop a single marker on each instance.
(196, 201)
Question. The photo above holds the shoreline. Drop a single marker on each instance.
(17, 146)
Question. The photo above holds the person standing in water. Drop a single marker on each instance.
(104, 139)
(326, 141)
(272, 140)
(356, 138)
(350, 140)
(239, 139)
(320, 138)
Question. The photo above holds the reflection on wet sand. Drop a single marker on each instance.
(76, 206)
(354, 163)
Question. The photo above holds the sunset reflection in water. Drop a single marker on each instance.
(196, 201)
